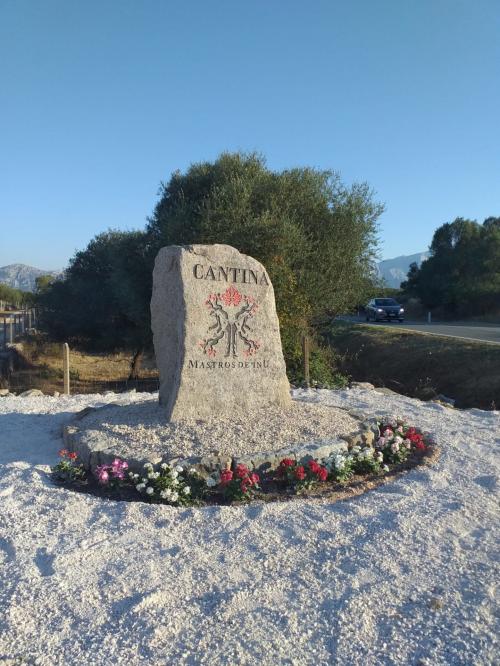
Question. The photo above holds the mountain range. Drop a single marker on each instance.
(20, 276)
(394, 271)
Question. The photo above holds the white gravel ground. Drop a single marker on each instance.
(143, 425)
(405, 574)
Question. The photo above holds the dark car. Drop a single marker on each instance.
(384, 308)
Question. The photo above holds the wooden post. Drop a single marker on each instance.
(305, 352)
(29, 319)
(5, 332)
(66, 368)
(11, 331)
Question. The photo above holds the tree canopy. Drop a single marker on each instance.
(462, 274)
(102, 300)
(316, 237)
(16, 297)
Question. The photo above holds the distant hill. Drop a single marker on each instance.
(20, 276)
(394, 271)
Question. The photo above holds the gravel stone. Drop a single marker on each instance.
(141, 431)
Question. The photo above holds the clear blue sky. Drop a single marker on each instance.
(101, 100)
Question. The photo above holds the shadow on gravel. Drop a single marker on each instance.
(31, 438)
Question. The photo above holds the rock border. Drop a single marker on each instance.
(263, 461)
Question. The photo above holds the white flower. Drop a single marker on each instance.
(192, 471)
(148, 465)
(210, 482)
(164, 494)
(385, 468)
(367, 453)
(149, 490)
(164, 466)
(398, 440)
(140, 487)
(186, 490)
(144, 479)
(394, 447)
(174, 474)
(179, 469)
(151, 475)
(380, 456)
(400, 428)
(174, 497)
(355, 449)
(339, 462)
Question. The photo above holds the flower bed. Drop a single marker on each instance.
(397, 447)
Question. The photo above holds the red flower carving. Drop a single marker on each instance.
(231, 296)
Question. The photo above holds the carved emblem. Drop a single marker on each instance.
(231, 312)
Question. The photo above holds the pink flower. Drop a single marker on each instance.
(118, 465)
(102, 473)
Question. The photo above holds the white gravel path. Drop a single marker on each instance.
(405, 574)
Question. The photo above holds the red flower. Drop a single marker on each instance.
(72, 456)
(420, 445)
(300, 473)
(287, 462)
(63, 453)
(314, 467)
(242, 471)
(226, 476)
(322, 473)
(254, 478)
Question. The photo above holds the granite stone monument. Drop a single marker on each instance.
(216, 333)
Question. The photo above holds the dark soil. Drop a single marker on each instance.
(271, 490)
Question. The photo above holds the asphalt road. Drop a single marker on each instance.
(465, 331)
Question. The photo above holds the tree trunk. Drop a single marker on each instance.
(135, 364)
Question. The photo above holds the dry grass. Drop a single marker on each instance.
(420, 365)
(40, 365)
(90, 367)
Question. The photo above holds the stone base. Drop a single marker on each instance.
(92, 434)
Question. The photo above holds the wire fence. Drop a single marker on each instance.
(26, 380)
